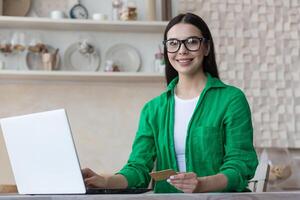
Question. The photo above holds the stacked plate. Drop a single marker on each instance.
(74, 60)
(125, 56)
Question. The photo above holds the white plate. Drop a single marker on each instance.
(42, 8)
(34, 60)
(76, 61)
(125, 56)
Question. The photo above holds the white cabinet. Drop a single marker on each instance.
(145, 36)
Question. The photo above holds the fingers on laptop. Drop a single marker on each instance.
(87, 172)
(95, 182)
(92, 179)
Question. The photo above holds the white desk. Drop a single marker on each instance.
(149, 196)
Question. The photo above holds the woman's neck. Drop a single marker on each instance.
(189, 87)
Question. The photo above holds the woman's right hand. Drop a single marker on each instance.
(92, 179)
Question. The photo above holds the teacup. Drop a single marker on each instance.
(57, 14)
(99, 16)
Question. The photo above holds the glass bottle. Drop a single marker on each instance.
(18, 43)
(116, 9)
(132, 10)
(159, 64)
(109, 66)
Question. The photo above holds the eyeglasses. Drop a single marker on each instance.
(192, 44)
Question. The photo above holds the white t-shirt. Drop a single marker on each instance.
(184, 110)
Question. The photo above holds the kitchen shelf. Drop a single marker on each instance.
(14, 75)
(81, 25)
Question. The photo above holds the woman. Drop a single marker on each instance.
(199, 126)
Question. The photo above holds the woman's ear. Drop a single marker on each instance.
(207, 49)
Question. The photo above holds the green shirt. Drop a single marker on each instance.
(219, 138)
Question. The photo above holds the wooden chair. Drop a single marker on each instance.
(260, 179)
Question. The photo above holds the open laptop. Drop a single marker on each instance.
(43, 156)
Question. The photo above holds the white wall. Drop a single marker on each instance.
(258, 49)
(103, 115)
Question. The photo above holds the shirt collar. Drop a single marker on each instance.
(211, 82)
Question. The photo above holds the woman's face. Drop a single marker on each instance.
(184, 61)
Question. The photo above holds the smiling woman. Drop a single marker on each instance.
(199, 127)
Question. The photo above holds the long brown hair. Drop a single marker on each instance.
(209, 62)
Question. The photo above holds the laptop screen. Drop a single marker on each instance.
(42, 153)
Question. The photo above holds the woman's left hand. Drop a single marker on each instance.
(186, 182)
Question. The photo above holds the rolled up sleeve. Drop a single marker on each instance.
(240, 160)
(143, 154)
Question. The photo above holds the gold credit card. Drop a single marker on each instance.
(162, 175)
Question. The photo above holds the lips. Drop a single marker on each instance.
(184, 61)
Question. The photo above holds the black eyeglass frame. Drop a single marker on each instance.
(201, 39)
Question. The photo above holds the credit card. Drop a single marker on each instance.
(162, 175)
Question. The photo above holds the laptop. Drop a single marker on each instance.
(43, 157)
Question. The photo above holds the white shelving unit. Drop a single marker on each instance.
(81, 25)
(14, 75)
(33, 23)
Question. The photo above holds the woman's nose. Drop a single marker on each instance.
(183, 49)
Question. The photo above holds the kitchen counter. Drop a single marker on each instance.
(151, 196)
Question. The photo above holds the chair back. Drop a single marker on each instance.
(260, 180)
